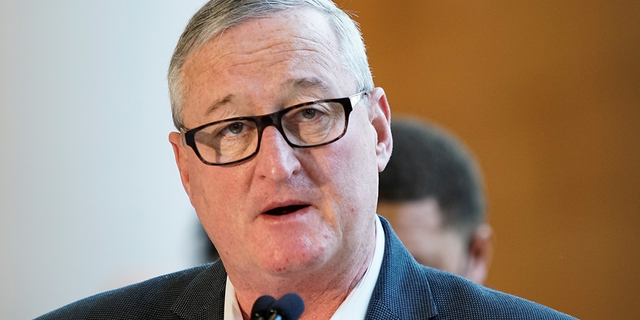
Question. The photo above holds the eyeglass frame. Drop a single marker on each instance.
(274, 119)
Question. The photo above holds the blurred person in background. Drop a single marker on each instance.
(432, 194)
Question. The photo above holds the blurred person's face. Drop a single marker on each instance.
(419, 225)
(286, 210)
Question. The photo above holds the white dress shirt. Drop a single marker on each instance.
(353, 307)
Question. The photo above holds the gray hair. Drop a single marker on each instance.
(218, 15)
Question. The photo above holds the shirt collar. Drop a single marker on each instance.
(353, 307)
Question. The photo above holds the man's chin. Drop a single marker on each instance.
(292, 261)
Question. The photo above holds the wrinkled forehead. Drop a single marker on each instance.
(278, 31)
(294, 48)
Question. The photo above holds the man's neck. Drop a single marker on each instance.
(323, 291)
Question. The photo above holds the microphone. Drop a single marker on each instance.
(261, 307)
(289, 307)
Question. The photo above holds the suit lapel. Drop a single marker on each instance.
(203, 298)
(402, 290)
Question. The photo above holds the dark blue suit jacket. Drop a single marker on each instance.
(405, 290)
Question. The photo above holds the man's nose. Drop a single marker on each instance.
(276, 159)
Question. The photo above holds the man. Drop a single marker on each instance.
(431, 193)
(282, 136)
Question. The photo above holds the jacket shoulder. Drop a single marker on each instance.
(459, 298)
(408, 290)
(150, 299)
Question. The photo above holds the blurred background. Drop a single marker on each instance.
(90, 197)
(545, 93)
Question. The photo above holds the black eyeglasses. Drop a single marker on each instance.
(309, 124)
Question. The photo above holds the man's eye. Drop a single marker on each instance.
(234, 128)
(309, 113)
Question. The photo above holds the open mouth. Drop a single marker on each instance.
(285, 210)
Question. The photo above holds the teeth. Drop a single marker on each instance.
(284, 210)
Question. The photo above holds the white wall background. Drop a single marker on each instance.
(90, 197)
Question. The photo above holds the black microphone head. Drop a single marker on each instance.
(290, 306)
(261, 306)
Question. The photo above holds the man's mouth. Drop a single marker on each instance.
(285, 210)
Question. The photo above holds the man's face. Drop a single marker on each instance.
(419, 226)
(286, 210)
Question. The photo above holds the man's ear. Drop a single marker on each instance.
(180, 152)
(380, 117)
(480, 253)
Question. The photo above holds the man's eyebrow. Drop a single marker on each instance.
(219, 103)
(308, 83)
(296, 84)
